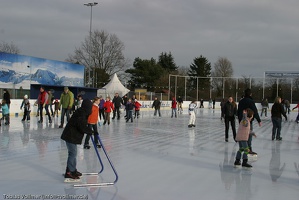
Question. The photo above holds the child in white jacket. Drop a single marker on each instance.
(191, 110)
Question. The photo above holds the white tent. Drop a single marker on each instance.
(114, 86)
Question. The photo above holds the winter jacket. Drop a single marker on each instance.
(108, 106)
(66, 100)
(77, 125)
(173, 103)
(5, 109)
(129, 106)
(245, 103)
(137, 105)
(6, 97)
(25, 104)
(192, 107)
(230, 109)
(117, 101)
(277, 110)
(101, 105)
(156, 104)
(93, 117)
(243, 132)
(42, 97)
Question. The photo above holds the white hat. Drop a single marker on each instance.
(26, 96)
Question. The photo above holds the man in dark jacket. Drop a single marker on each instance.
(117, 101)
(157, 105)
(230, 111)
(247, 102)
(73, 135)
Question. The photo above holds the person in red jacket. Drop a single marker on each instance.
(137, 106)
(42, 102)
(92, 123)
(173, 107)
(108, 107)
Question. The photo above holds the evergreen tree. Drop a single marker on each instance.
(200, 69)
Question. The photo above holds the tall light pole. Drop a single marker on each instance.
(91, 5)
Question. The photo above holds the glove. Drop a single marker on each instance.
(69, 107)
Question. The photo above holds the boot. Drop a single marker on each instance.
(245, 164)
(237, 163)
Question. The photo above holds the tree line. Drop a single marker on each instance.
(102, 54)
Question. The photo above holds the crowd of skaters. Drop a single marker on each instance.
(246, 111)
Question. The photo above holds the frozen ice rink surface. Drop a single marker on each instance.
(155, 158)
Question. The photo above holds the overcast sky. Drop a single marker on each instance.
(255, 35)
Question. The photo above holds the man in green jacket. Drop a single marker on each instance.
(66, 103)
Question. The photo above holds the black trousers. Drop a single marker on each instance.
(232, 122)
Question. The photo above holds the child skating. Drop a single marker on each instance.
(191, 110)
(242, 138)
(92, 123)
(73, 134)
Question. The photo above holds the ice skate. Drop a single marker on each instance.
(237, 163)
(246, 165)
(70, 177)
(86, 146)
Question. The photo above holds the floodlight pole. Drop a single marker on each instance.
(90, 25)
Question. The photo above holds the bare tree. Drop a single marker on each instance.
(102, 54)
(9, 48)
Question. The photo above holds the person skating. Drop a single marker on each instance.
(191, 110)
(108, 107)
(42, 102)
(117, 101)
(276, 111)
(73, 134)
(26, 105)
(242, 138)
(137, 106)
(157, 105)
(229, 113)
(244, 103)
(92, 123)
(173, 107)
(66, 103)
(129, 109)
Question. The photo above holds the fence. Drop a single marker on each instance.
(196, 88)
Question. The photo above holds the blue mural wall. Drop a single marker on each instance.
(20, 71)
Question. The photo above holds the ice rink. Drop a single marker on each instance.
(155, 158)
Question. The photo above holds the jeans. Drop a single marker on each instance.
(230, 119)
(243, 148)
(276, 127)
(173, 111)
(130, 115)
(155, 113)
(66, 112)
(72, 156)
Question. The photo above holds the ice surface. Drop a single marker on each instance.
(155, 158)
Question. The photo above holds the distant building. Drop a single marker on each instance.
(281, 74)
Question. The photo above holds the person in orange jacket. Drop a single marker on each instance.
(108, 107)
(92, 123)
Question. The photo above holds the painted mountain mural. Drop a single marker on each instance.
(18, 70)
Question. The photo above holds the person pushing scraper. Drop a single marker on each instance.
(73, 134)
